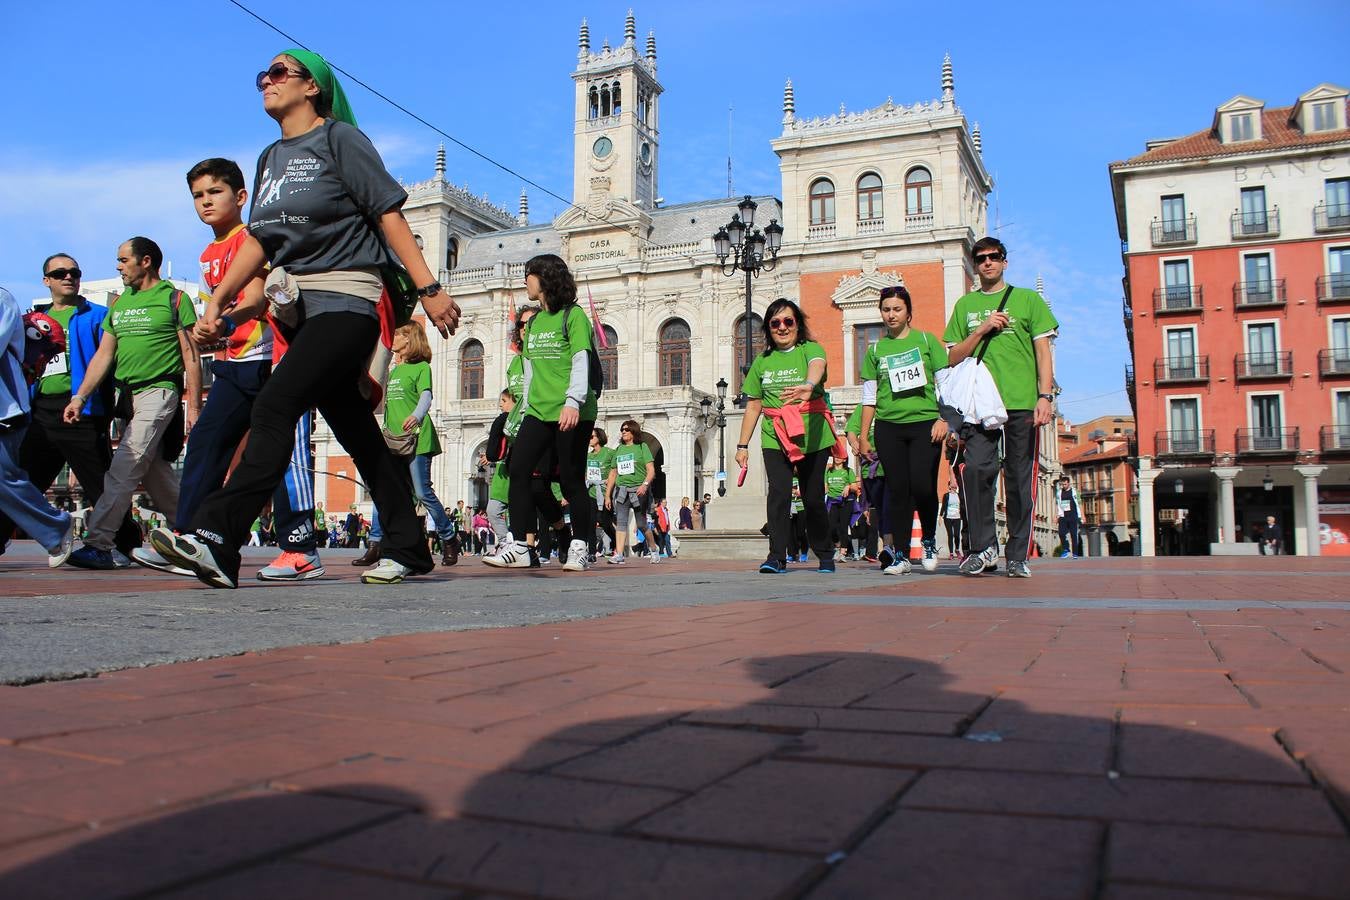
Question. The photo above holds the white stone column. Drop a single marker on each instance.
(1227, 514)
(680, 460)
(1147, 519)
(1308, 524)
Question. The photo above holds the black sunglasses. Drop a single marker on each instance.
(984, 257)
(276, 74)
(62, 274)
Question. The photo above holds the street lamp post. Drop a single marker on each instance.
(752, 252)
(720, 420)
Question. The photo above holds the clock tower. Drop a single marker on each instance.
(615, 135)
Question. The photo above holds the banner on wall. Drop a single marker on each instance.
(1333, 509)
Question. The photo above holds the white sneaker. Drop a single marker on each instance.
(191, 552)
(930, 556)
(576, 557)
(57, 559)
(514, 555)
(901, 566)
(386, 571)
(655, 557)
(615, 560)
(148, 557)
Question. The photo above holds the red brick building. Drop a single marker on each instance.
(1236, 247)
(1099, 457)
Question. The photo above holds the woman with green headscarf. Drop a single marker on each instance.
(325, 215)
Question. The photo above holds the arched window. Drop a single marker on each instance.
(452, 253)
(674, 353)
(822, 202)
(471, 371)
(617, 102)
(738, 341)
(593, 110)
(609, 359)
(918, 192)
(869, 197)
(642, 107)
(604, 101)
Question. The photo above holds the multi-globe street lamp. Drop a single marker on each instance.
(720, 420)
(751, 251)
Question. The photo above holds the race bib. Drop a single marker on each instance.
(906, 371)
(593, 473)
(1065, 505)
(953, 508)
(626, 466)
(57, 365)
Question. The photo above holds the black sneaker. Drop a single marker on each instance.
(191, 552)
(771, 566)
(826, 566)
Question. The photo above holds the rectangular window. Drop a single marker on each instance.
(1262, 350)
(864, 336)
(1267, 423)
(1184, 425)
(1338, 202)
(1338, 267)
(1340, 346)
(1324, 116)
(1240, 127)
(1177, 278)
(1181, 353)
(1342, 436)
(1174, 218)
(1254, 219)
(1256, 277)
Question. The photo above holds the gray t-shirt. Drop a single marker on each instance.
(312, 197)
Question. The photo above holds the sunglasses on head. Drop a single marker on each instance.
(784, 322)
(889, 292)
(981, 258)
(276, 74)
(61, 274)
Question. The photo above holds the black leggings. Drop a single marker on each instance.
(533, 444)
(810, 472)
(953, 535)
(910, 459)
(322, 368)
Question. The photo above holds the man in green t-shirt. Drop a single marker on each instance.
(146, 348)
(1019, 358)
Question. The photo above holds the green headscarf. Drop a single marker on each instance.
(328, 84)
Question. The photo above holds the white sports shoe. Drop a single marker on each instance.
(901, 566)
(386, 571)
(514, 555)
(58, 558)
(576, 557)
(150, 558)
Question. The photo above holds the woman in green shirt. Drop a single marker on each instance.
(787, 384)
(628, 486)
(899, 393)
(558, 410)
(407, 403)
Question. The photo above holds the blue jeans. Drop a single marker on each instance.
(426, 495)
(23, 502)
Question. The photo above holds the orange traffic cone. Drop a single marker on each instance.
(916, 540)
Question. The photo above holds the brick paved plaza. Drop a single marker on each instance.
(1120, 729)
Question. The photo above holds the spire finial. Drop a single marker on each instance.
(975, 138)
(584, 39)
(948, 83)
(1040, 284)
(440, 162)
(629, 29)
(789, 104)
(604, 46)
(524, 218)
(651, 46)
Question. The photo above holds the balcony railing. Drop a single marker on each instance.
(918, 221)
(1256, 223)
(1335, 361)
(1184, 443)
(1178, 298)
(1331, 217)
(1333, 288)
(1266, 440)
(871, 226)
(1270, 292)
(1129, 378)
(823, 231)
(1335, 438)
(1180, 369)
(1172, 232)
(1276, 364)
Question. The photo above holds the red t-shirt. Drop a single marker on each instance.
(251, 340)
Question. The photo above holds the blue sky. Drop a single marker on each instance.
(96, 150)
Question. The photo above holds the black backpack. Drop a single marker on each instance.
(595, 373)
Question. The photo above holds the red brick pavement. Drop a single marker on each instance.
(754, 749)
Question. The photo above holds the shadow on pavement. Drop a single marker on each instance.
(836, 775)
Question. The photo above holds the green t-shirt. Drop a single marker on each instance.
(500, 488)
(1011, 356)
(903, 369)
(406, 383)
(797, 503)
(551, 362)
(630, 464)
(837, 481)
(515, 377)
(146, 327)
(598, 464)
(781, 369)
(56, 377)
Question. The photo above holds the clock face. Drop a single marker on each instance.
(645, 153)
(603, 147)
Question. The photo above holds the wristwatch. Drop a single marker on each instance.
(1050, 397)
(430, 290)
(742, 446)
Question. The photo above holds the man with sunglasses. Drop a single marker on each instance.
(1018, 327)
(50, 443)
